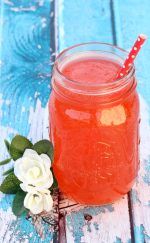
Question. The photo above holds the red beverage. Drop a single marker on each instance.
(94, 125)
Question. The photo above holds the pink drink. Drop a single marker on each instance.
(94, 129)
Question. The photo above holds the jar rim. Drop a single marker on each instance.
(116, 82)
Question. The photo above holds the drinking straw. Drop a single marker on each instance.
(131, 57)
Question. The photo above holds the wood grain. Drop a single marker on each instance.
(137, 22)
(24, 90)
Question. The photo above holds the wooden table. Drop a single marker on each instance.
(31, 33)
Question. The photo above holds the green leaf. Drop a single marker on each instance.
(15, 153)
(44, 147)
(8, 172)
(6, 161)
(10, 185)
(55, 183)
(18, 203)
(7, 144)
(18, 145)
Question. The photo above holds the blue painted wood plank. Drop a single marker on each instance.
(25, 65)
(132, 18)
(25, 58)
(82, 21)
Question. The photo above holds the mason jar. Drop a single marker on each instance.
(94, 123)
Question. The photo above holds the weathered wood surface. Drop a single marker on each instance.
(136, 21)
(25, 61)
(28, 41)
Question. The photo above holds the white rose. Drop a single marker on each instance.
(38, 202)
(34, 171)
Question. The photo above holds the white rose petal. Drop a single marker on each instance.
(46, 159)
(34, 202)
(27, 188)
(38, 202)
(48, 202)
(30, 153)
(34, 170)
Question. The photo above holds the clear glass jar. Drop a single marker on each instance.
(94, 128)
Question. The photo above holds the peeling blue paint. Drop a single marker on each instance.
(96, 225)
(78, 223)
(146, 177)
(77, 220)
(89, 227)
(26, 77)
(22, 228)
(25, 70)
(135, 198)
(6, 202)
(141, 234)
(118, 240)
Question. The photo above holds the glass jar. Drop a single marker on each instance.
(94, 128)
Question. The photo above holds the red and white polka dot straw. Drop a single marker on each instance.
(133, 53)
